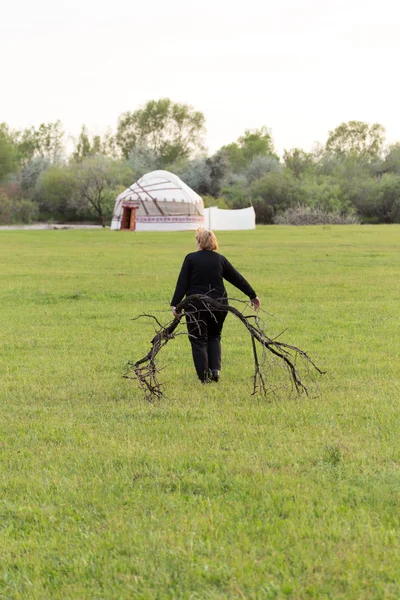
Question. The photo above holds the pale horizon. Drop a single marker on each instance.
(300, 68)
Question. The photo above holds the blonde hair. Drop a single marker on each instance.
(206, 239)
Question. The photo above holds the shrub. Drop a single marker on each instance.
(17, 211)
(379, 201)
(260, 166)
(211, 201)
(274, 193)
(5, 209)
(25, 211)
(305, 215)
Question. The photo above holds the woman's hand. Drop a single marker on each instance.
(256, 303)
(176, 314)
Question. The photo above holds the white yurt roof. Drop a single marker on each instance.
(161, 186)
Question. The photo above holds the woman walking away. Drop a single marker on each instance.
(203, 273)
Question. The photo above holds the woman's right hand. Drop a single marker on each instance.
(256, 303)
(176, 314)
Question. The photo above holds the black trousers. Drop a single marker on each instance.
(204, 328)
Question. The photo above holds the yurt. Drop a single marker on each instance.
(158, 201)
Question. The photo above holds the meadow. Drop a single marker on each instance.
(211, 492)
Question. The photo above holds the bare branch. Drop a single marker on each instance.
(286, 355)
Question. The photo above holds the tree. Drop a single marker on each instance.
(324, 193)
(235, 189)
(195, 173)
(219, 167)
(142, 160)
(7, 153)
(378, 201)
(171, 130)
(274, 193)
(356, 139)
(254, 142)
(16, 210)
(95, 183)
(260, 166)
(54, 188)
(46, 141)
(86, 147)
(203, 174)
(83, 146)
(30, 174)
(298, 161)
(391, 163)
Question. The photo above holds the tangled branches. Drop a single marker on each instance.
(268, 353)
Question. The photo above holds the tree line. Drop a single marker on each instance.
(354, 176)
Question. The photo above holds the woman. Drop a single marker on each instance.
(203, 273)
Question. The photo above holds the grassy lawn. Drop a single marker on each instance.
(212, 492)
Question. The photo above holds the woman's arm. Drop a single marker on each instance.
(235, 278)
(182, 285)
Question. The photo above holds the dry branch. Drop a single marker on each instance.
(146, 371)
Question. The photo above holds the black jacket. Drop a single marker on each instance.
(203, 272)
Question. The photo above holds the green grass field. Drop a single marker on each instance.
(212, 492)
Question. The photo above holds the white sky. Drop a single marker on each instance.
(299, 67)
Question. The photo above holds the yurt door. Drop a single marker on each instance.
(129, 218)
(132, 222)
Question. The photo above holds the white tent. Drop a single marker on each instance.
(218, 218)
(158, 201)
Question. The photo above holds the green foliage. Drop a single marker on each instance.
(83, 190)
(85, 147)
(54, 189)
(254, 142)
(237, 192)
(211, 201)
(95, 182)
(350, 175)
(203, 174)
(325, 193)
(392, 159)
(170, 130)
(356, 139)
(298, 161)
(17, 210)
(274, 193)
(7, 153)
(142, 160)
(45, 141)
(30, 175)
(260, 166)
(5, 209)
(211, 493)
(378, 201)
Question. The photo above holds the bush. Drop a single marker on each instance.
(325, 194)
(211, 201)
(30, 175)
(260, 166)
(5, 209)
(379, 201)
(25, 211)
(17, 211)
(305, 215)
(54, 190)
(274, 193)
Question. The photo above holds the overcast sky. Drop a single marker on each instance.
(300, 67)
